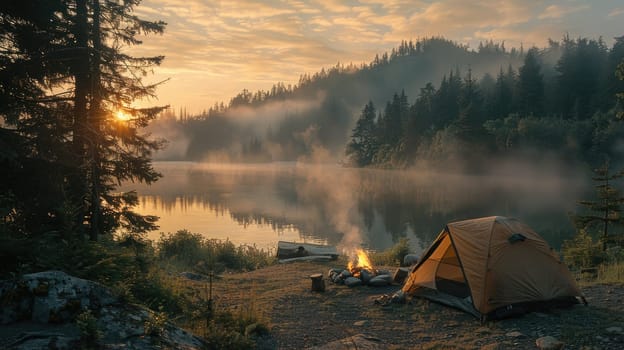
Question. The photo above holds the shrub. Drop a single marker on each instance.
(581, 251)
(193, 251)
(392, 256)
(90, 333)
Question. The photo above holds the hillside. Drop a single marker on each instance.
(289, 123)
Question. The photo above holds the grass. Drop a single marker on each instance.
(611, 273)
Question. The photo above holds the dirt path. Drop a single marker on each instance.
(300, 318)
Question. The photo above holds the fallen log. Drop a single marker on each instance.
(306, 258)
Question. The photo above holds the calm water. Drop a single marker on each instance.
(261, 204)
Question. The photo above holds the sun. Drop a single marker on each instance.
(122, 116)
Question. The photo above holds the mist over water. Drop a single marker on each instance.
(347, 207)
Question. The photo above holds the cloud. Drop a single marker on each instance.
(557, 11)
(616, 12)
(256, 43)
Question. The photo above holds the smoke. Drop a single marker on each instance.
(337, 189)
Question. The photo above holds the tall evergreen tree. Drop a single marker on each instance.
(364, 144)
(531, 85)
(78, 43)
(606, 211)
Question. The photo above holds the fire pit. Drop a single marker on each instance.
(360, 271)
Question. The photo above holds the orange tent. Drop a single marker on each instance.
(491, 267)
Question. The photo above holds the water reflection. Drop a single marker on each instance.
(289, 201)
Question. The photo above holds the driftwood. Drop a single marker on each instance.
(306, 258)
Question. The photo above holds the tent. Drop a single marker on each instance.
(492, 267)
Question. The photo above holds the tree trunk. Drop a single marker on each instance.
(81, 85)
(95, 117)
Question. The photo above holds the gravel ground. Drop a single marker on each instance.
(300, 318)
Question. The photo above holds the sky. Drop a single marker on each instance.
(216, 48)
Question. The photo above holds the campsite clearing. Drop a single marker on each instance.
(300, 318)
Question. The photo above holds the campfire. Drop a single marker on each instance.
(360, 271)
(359, 264)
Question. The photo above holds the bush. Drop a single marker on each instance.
(193, 251)
(392, 256)
(581, 251)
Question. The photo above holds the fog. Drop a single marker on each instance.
(313, 122)
(368, 208)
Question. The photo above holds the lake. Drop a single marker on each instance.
(263, 203)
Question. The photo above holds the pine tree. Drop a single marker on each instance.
(62, 107)
(606, 211)
(531, 85)
(363, 144)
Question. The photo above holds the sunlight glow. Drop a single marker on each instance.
(122, 116)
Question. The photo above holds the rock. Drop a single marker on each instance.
(193, 276)
(398, 297)
(360, 323)
(64, 297)
(383, 272)
(410, 259)
(345, 274)
(614, 330)
(515, 334)
(549, 343)
(365, 276)
(332, 273)
(352, 282)
(379, 281)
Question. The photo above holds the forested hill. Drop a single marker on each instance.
(292, 122)
(427, 100)
(568, 110)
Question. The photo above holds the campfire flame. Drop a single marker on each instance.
(361, 262)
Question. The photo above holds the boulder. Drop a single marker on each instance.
(365, 276)
(380, 281)
(352, 282)
(345, 274)
(410, 259)
(50, 302)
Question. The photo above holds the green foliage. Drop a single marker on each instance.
(620, 94)
(63, 152)
(526, 109)
(582, 252)
(612, 272)
(155, 323)
(605, 212)
(192, 250)
(90, 334)
(236, 330)
(393, 256)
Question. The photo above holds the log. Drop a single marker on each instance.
(318, 283)
(306, 258)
